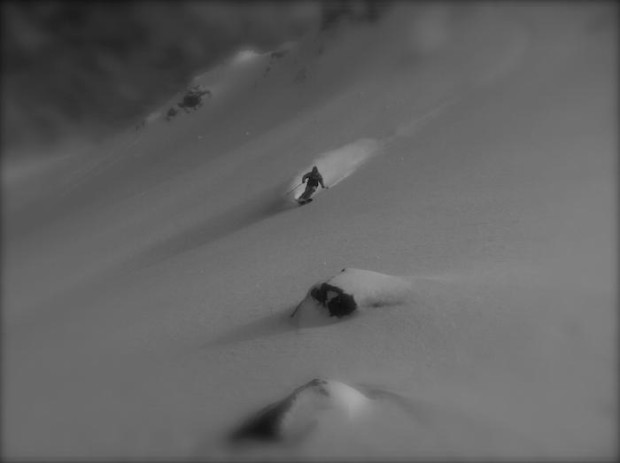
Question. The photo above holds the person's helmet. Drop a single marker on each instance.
(315, 169)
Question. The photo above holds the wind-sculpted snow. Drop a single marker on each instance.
(351, 291)
(325, 415)
(299, 413)
(150, 281)
(372, 289)
(338, 164)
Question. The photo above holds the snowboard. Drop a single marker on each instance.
(301, 202)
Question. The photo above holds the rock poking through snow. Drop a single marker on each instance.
(298, 414)
(349, 291)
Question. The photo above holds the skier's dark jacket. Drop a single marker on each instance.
(314, 178)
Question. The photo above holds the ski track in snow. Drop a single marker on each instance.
(511, 59)
(336, 165)
(434, 414)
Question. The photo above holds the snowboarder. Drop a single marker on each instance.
(314, 178)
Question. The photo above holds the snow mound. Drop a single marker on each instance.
(372, 288)
(338, 164)
(349, 291)
(317, 402)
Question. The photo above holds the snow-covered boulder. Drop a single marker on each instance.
(348, 292)
(295, 416)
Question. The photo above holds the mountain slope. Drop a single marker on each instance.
(147, 286)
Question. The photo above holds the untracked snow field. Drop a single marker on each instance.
(148, 283)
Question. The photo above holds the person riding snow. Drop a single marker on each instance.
(314, 178)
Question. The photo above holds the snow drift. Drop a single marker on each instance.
(302, 411)
(147, 288)
(349, 291)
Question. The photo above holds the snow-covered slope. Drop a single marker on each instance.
(147, 284)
